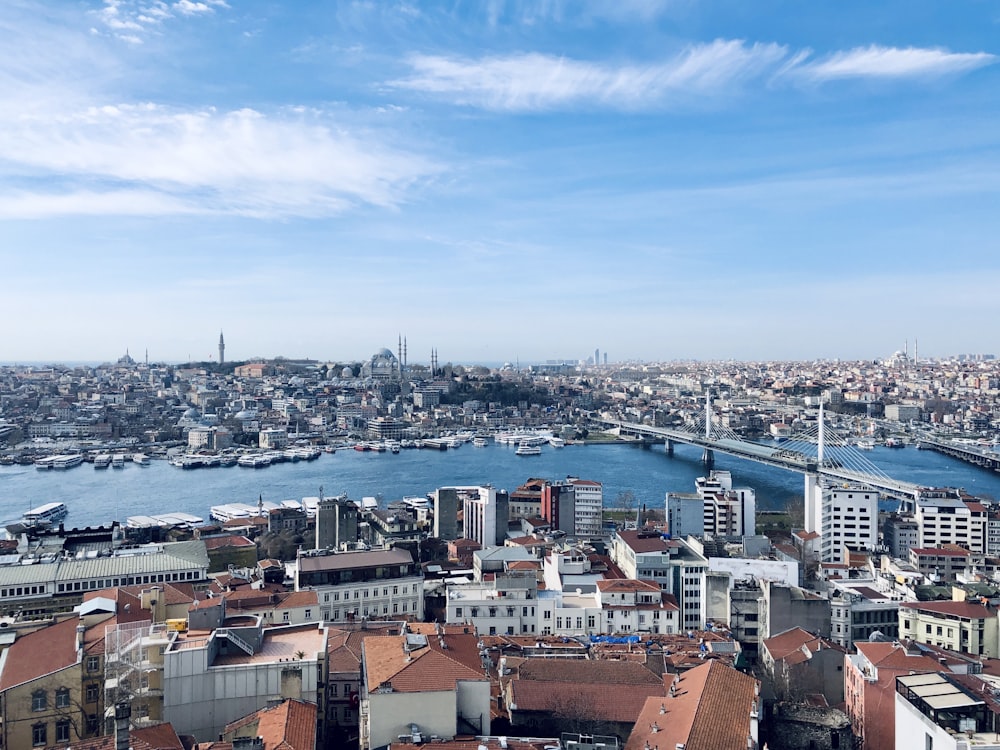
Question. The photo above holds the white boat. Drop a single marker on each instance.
(524, 449)
(102, 460)
(118, 461)
(866, 445)
(557, 442)
(44, 464)
(393, 445)
(479, 442)
(140, 458)
(231, 511)
(67, 461)
(45, 514)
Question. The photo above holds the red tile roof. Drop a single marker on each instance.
(290, 725)
(43, 652)
(709, 710)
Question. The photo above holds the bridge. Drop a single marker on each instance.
(972, 454)
(806, 454)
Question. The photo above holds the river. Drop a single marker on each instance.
(99, 496)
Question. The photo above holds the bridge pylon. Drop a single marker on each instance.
(668, 446)
(708, 458)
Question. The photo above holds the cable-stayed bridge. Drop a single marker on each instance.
(817, 451)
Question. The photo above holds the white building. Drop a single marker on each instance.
(370, 583)
(842, 516)
(485, 514)
(506, 605)
(273, 439)
(589, 507)
(948, 520)
(679, 567)
(728, 511)
(940, 711)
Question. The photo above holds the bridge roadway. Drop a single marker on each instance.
(770, 455)
(974, 455)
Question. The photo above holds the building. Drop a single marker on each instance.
(446, 504)
(947, 712)
(685, 514)
(728, 511)
(214, 677)
(800, 664)
(412, 686)
(54, 581)
(589, 507)
(943, 519)
(485, 514)
(506, 604)
(273, 438)
(384, 583)
(678, 567)
(336, 523)
(843, 516)
(858, 609)
(870, 683)
(963, 626)
(710, 706)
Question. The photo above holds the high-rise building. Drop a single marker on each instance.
(222, 349)
(336, 522)
(845, 515)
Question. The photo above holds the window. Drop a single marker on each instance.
(309, 614)
(458, 611)
(93, 663)
(39, 701)
(38, 735)
(62, 730)
(93, 692)
(284, 616)
(62, 698)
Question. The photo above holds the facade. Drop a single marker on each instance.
(364, 584)
(212, 678)
(966, 627)
(484, 513)
(943, 520)
(676, 566)
(273, 439)
(857, 610)
(843, 516)
(869, 685)
(446, 504)
(589, 508)
(505, 605)
(728, 511)
(945, 712)
(685, 514)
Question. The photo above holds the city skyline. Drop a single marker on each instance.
(504, 181)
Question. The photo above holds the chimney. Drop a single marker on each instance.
(123, 715)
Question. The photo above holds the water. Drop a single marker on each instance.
(95, 497)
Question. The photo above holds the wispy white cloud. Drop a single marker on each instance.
(286, 163)
(130, 20)
(536, 81)
(894, 62)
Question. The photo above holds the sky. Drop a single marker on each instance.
(499, 181)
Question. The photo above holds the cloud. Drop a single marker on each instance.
(894, 62)
(128, 20)
(286, 163)
(535, 81)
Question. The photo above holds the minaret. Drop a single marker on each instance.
(222, 349)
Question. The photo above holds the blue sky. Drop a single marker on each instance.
(663, 179)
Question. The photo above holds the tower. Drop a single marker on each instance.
(222, 349)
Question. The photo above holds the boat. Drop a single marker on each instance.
(67, 462)
(102, 460)
(118, 461)
(44, 464)
(866, 445)
(557, 442)
(254, 461)
(393, 445)
(231, 511)
(44, 515)
(479, 442)
(361, 447)
(140, 458)
(894, 443)
(525, 449)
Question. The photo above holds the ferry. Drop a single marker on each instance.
(140, 458)
(67, 461)
(102, 460)
(231, 511)
(866, 445)
(557, 442)
(47, 514)
(480, 442)
(118, 461)
(44, 464)
(524, 449)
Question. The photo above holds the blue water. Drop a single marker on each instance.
(99, 496)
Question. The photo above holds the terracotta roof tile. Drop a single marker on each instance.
(422, 669)
(42, 652)
(583, 671)
(621, 704)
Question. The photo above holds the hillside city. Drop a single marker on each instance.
(551, 616)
